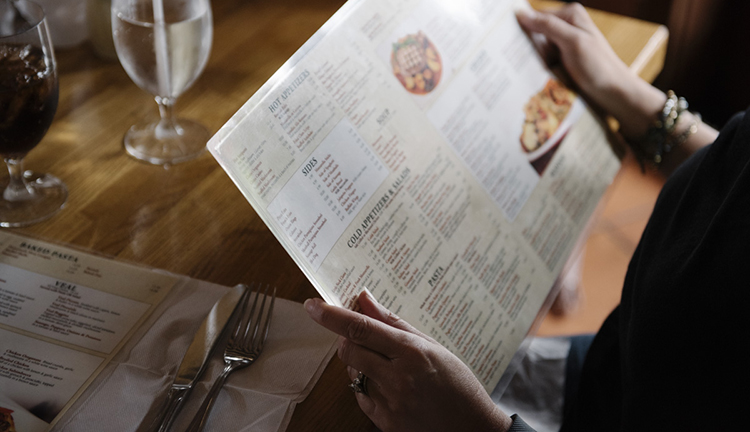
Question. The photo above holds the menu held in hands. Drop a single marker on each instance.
(64, 314)
(421, 149)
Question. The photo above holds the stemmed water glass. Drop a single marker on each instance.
(163, 45)
(28, 101)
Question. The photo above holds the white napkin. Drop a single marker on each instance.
(260, 397)
(536, 391)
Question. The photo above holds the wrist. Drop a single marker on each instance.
(674, 127)
(641, 107)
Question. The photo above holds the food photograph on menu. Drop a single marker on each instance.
(416, 63)
(546, 121)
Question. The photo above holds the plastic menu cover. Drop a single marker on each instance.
(423, 150)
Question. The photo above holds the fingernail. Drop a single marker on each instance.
(310, 305)
(369, 294)
(526, 13)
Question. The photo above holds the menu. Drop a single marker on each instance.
(64, 314)
(422, 149)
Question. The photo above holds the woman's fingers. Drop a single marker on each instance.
(370, 307)
(575, 14)
(358, 328)
(367, 402)
(373, 404)
(412, 384)
(363, 359)
(556, 29)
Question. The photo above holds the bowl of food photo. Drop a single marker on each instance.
(549, 115)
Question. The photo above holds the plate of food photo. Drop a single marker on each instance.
(549, 114)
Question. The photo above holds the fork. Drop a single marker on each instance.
(243, 348)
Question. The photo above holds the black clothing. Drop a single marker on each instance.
(674, 354)
(519, 425)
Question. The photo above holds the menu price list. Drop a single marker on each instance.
(64, 311)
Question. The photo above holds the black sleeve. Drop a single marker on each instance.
(519, 425)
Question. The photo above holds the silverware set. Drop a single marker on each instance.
(245, 345)
(243, 349)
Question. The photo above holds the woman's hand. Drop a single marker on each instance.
(414, 383)
(568, 35)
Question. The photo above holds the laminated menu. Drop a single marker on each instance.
(422, 149)
(64, 314)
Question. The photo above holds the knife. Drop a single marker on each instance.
(194, 363)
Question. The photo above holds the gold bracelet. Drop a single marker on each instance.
(660, 138)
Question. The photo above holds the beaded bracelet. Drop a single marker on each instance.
(660, 138)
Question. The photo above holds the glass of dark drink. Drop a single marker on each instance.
(28, 100)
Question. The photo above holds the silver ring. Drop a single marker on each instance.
(359, 385)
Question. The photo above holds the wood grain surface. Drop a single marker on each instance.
(190, 219)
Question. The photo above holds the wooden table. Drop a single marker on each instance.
(190, 219)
